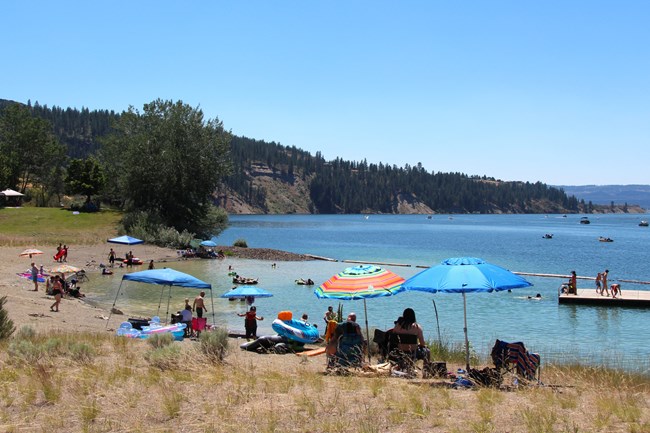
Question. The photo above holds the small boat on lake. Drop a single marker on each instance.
(604, 239)
(643, 223)
(548, 236)
(585, 220)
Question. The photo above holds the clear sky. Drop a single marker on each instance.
(550, 91)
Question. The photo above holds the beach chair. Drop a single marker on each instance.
(404, 361)
(349, 350)
(515, 358)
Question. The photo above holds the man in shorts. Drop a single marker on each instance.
(199, 305)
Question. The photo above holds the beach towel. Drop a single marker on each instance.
(28, 275)
(515, 353)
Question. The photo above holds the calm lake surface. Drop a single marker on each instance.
(595, 335)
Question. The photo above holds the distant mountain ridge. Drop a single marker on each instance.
(606, 194)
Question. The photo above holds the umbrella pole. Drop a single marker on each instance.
(465, 329)
(437, 322)
(214, 322)
(169, 297)
(365, 312)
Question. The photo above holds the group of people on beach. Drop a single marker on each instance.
(186, 315)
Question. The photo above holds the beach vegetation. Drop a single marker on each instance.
(214, 345)
(85, 177)
(7, 326)
(160, 340)
(241, 243)
(29, 151)
(186, 159)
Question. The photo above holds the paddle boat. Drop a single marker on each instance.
(548, 236)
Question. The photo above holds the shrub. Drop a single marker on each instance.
(240, 243)
(25, 351)
(26, 333)
(164, 358)
(214, 344)
(160, 340)
(83, 353)
(6, 324)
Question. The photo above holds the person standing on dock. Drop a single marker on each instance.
(599, 288)
(605, 287)
(573, 283)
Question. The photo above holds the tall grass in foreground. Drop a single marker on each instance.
(135, 385)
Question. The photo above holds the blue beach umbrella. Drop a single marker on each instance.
(210, 244)
(465, 275)
(243, 292)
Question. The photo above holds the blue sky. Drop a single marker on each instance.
(552, 91)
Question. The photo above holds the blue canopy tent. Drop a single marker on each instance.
(125, 240)
(166, 277)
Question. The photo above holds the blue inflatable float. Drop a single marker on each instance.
(296, 330)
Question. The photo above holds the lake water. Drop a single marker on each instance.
(596, 335)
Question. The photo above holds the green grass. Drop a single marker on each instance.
(25, 226)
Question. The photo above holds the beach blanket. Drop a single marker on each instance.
(515, 353)
(28, 275)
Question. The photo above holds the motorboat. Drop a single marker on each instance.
(585, 220)
(604, 239)
(643, 223)
(548, 236)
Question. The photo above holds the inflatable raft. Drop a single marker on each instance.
(296, 330)
(126, 330)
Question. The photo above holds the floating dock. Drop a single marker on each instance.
(629, 298)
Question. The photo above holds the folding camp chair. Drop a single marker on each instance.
(402, 360)
(514, 358)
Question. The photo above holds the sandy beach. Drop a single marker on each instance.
(27, 307)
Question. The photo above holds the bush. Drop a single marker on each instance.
(164, 358)
(26, 333)
(160, 340)
(240, 243)
(25, 351)
(6, 324)
(148, 227)
(83, 353)
(214, 344)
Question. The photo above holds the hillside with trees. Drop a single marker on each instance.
(254, 176)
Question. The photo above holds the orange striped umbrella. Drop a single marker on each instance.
(361, 282)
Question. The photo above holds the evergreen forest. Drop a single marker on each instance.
(335, 186)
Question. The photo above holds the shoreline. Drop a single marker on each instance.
(28, 308)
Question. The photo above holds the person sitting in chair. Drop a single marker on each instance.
(347, 343)
(407, 326)
(186, 317)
